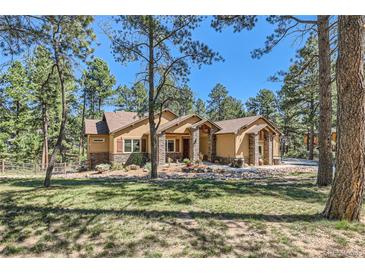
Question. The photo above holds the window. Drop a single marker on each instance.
(260, 150)
(99, 140)
(144, 145)
(132, 145)
(170, 145)
(136, 146)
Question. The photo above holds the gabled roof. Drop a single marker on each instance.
(114, 121)
(234, 125)
(95, 127)
(118, 119)
(203, 121)
(256, 128)
(139, 120)
(174, 122)
(178, 120)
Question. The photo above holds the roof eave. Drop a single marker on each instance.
(137, 121)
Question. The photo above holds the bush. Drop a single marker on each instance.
(102, 168)
(117, 166)
(136, 159)
(133, 167)
(198, 162)
(187, 162)
(148, 166)
(238, 163)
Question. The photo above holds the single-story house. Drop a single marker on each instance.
(119, 136)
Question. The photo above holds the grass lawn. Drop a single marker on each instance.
(270, 217)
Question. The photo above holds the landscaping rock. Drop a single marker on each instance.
(132, 167)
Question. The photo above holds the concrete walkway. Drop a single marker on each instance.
(299, 162)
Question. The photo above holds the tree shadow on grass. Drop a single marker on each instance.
(186, 191)
(287, 218)
(301, 190)
(56, 182)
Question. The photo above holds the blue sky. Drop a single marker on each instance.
(242, 75)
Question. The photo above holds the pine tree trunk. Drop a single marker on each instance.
(311, 142)
(99, 107)
(325, 166)
(81, 147)
(151, 104)
(45, 137)
(346, 195)
(92, 106)
(57, 148)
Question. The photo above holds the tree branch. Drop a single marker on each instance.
(298, 20)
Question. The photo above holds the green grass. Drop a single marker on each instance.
(270, 217)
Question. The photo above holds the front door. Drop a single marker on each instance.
(186, 148)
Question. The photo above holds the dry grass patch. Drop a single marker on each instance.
(269, 217)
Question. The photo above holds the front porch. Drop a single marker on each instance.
(193, 141)
(260, 145)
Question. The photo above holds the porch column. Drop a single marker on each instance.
(212, 145)
(195, 136)
(267, 148)
(254, 149)
(161, 149)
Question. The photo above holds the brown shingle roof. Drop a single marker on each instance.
(95, 127)
(255, 128)
(114, 121)
(233, 125)
(173, 122)
(119, 119)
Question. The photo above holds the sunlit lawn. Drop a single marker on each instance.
(272, 217)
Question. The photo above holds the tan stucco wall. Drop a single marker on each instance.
(242, 143)
(276, 146)
(184, 126)
(203, 144)
(98, 147)
(139, 130)
(225, 145)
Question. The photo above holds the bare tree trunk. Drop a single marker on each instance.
(346, 195)
(99, 106)
(81, 148)
(311, 142)
(325, 167)
(45, 137)
(92, 106)
(47, 179)
(151, 104)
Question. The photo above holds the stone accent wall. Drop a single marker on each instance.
(174, 156)
(212, 144)
(254, 149)
(276, 160)
(267, 148)
(98, 158)
(195, 136)
(229, 160)
(130, 158)
(161, 149)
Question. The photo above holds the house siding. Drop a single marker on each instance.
(224, 147)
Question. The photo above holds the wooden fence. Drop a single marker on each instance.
(7, 167)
